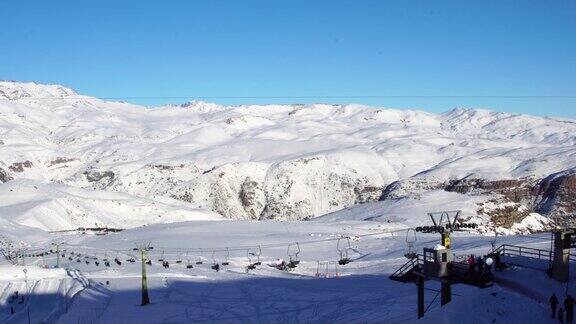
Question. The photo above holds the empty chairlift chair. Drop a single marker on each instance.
(410, 241)
(225, 263)
(293, 253)
(215, 265)
(343, 250)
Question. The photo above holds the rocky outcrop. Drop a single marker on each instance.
(20, 166)
(556, 194)
(61, 160)
(252, 198)
(509, 201)
(104, 178)
(516, 190)
(4, 176)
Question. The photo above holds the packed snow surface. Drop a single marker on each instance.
(316, 291)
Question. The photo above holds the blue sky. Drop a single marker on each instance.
(301, 48)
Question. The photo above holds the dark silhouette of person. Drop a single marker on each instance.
(471, 263)
(569, 307)
(480, 264)
(553, 304)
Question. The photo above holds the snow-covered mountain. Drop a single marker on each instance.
(268, 162)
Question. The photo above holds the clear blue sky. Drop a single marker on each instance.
(300, 48)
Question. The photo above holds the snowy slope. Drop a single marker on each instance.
(317, 291)
(275, 161)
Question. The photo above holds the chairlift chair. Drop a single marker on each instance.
(410, 240)
(199, 262)
(258, 262)
(344, 259)
(179, 260)
(251, 265)
(293, 257)
(189, 264)
(215, 265)
(225, 263)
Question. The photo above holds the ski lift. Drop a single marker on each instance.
(344, 259)
(107, 263)
(161, 257)
(293, 256)
(149, 262)
(96, 263)
(78, 260)
(215, 265)
(165, 264)
(410, 240)
(225, 263)
(199, 262)
(87, 262)
(118, 262)
(179, 259)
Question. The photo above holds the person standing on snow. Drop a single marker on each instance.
(569, 307)
(480, 264)
(553, 304)
(471, 263)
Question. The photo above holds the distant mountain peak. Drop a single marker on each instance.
(13, 90)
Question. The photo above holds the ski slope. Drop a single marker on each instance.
(316, 291)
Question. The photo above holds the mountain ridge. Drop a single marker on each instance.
(284, 161)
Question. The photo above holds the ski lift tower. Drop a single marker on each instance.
(144, 248)
(438, 262)
(444, 223)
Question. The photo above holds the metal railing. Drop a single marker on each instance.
(408, 266)
(517, 250)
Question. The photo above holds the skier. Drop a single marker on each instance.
(553, 304)
(569, 307)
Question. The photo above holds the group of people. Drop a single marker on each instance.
(563, 313)
(477, 264)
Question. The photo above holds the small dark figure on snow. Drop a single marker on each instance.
(569, 307)
(553, 304)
